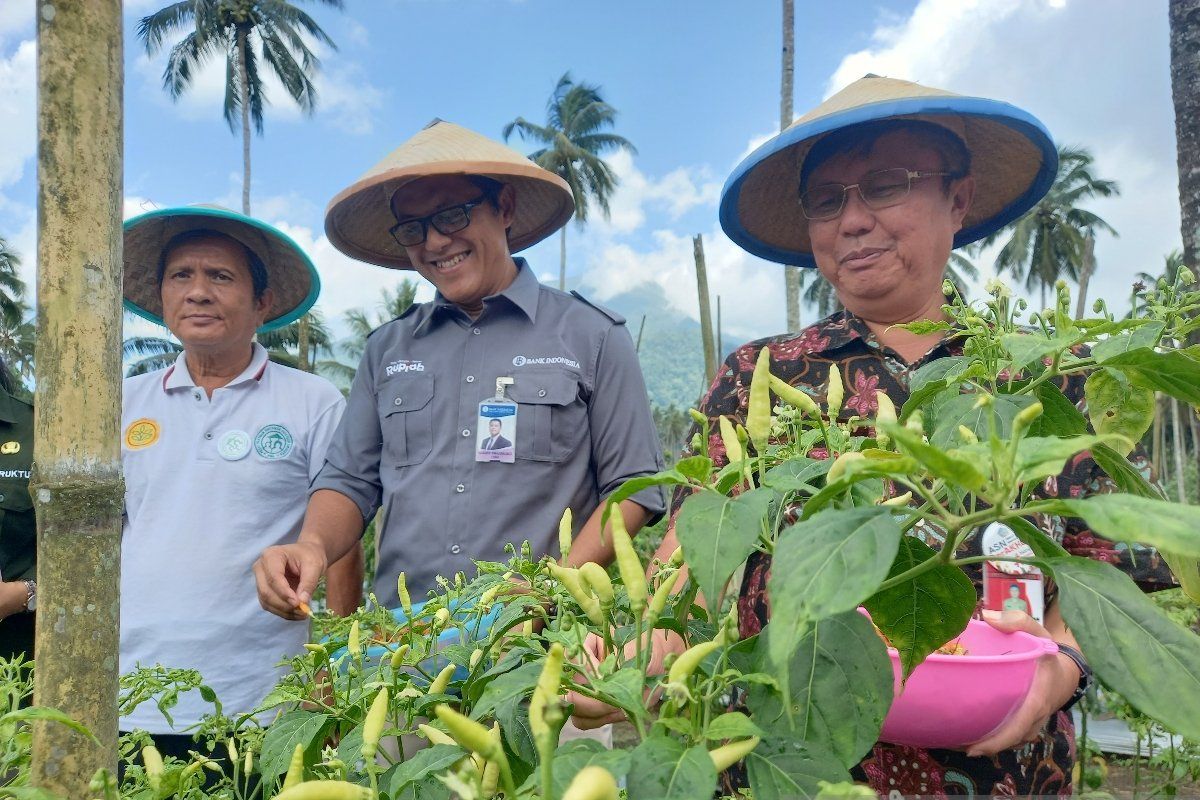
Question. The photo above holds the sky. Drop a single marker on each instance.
(696, 86)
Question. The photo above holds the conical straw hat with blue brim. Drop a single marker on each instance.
(291, 275)
(1013, 159)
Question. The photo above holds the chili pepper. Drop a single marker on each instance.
(154, 767)
(565, 524)
(689, 659)
(373, 726)
(398, 656)
(733, 448)
(659, 601)
(898, 500)
(727, 755)
(794, 397)
(592, 783)
(596, 577)
(885, 413)
(470, 734)
(545, 691)
(476, 655)
(489, 781)
(435, 736)
(841, 464)
(676, 558)
(402, 591)
(439, 684)
(1025, 417)
(489, 595)
(758, 409)
(327, 790)
(571, 580)
(441, 618)
(968, 436)
(834, 392)
(633, 574)
(353, 645)
(319, 649)
(697, 417)
(916, 422)
(248, 762)
(295, 773)
(231, 749)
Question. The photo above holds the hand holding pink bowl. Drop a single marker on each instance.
(951, 701)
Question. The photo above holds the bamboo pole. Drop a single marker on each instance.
(706, 326)
(1177, 450)
(720, 344)
(76, 485)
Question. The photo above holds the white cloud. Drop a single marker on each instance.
(18, 91)
(675, 193)
(17, 20)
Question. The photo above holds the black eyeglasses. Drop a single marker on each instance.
(412, 232)
(881, 189)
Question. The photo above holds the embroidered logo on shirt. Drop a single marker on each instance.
(521, 361)
(405, 366)
(141, 433)
(234, 445)
(8, 448)
(273, 442)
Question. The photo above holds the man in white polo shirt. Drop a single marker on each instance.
(218, 451)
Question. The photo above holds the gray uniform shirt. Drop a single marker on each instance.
(409, 434)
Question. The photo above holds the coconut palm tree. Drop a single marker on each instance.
(18, 334)
(1054, 239)
(392, 303)
(1184, 18)
(575, 138)
(12, 288)
(246, 32)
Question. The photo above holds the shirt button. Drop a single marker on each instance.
(196, 394)
(208, 435)
(1, 498)
(541, 392)
(466, 432)
(455, 549)
(460, 488)
(470, 379)
(398, 401)
(475, 331)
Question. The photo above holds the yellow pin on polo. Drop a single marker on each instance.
(141, 433)
(8, 448)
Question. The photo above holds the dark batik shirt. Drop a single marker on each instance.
(844, 342)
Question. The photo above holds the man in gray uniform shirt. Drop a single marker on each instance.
(560, 373)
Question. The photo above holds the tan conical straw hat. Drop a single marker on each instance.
(1013, 160)
(358, 218)
(291, 276)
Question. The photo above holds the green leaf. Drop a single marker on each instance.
(513, 717)
(349, 749)
(424, 763)
(718, 533)
(28, 793)
(1117, 406)
(625, 688)
(796, 475)
(840, 682)
(1040, 457)
(938, 461)
(1126, 518)
(1143, 337)
(41, 713)
(1041, 544)
(1025, 348)
(1126, 476)
(697, 468)
(1059, 416)
(1131, 644)
(299, 727)
(670, 477)
(732, 725)
(781, 769)
(935, 377)
(1174, 372)
(824, 566)
(921, 614)
(660, 769)
(962, 411)
(572, 756)
(515, 684)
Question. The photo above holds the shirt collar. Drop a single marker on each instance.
(178, 376)
(842, 329)
(522, 293)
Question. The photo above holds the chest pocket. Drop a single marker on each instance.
(551, 416)
(406, 419)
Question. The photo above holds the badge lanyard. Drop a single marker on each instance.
(497, 426)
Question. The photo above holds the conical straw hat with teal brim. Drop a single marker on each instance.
(1013, 159)
(359, 218)
(291, 275)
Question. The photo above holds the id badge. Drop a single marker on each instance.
(497, 427)
(1009, 586)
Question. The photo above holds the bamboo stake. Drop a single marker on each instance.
(76, 485)
(706, 327)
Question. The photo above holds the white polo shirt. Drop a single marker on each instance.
(208, 484)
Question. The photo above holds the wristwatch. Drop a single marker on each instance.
(30, 595)
(1085, 673)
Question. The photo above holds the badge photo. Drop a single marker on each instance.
(497, 426)
(1009, 586)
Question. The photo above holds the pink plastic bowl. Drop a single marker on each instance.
(951, 701)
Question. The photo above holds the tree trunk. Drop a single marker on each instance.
(562, 259)
(1177, 451)
(76, 484)
(720, 344)
(1086, 269)
(244, 89)
(1157, 438)
(302, 357)
(1184, 17)
(791, 275)
(1194, 430)
(706, 326)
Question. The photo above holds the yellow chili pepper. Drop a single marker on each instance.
(841, 464)
(154, 767)
(327, 790)
(727, 755)
(545, 692)
(835, 392)
(470, 734)
(489, 595)
(248, 762)
(676, 558)
(1025, 417)
(659, 601)
(373, 725)
(353, 645)
(898, 500)
(439, 684)
(797, 398)
(435, 736)
(315, 648)
(441, 618)
(571, 580)
(565, 524)
(967, 435)
(231, 749)
(758, 409)
(596, 577)
(592, 783)
(402, 591)
(633, 574)
(885, 413)
(489, 782)
(689, 659)
(476, 655)
(398, 656)
(295, 773)
(733, 448)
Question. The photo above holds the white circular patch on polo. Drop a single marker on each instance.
(234, 445)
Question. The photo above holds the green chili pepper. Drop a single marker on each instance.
(295, 773)
(633, 574)
(727, 755)
(470, 734)
(439, 684)
(758, 410)
(595, 576)
(353, 645)
(398, 656)
(327, 790)
(733, 448)
(659, 601)
(402, 591)
(435, 736)
(689, 659)
(373, 726)
(797, 398)
(545, 692)
(1024, 418)
(571, 580)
